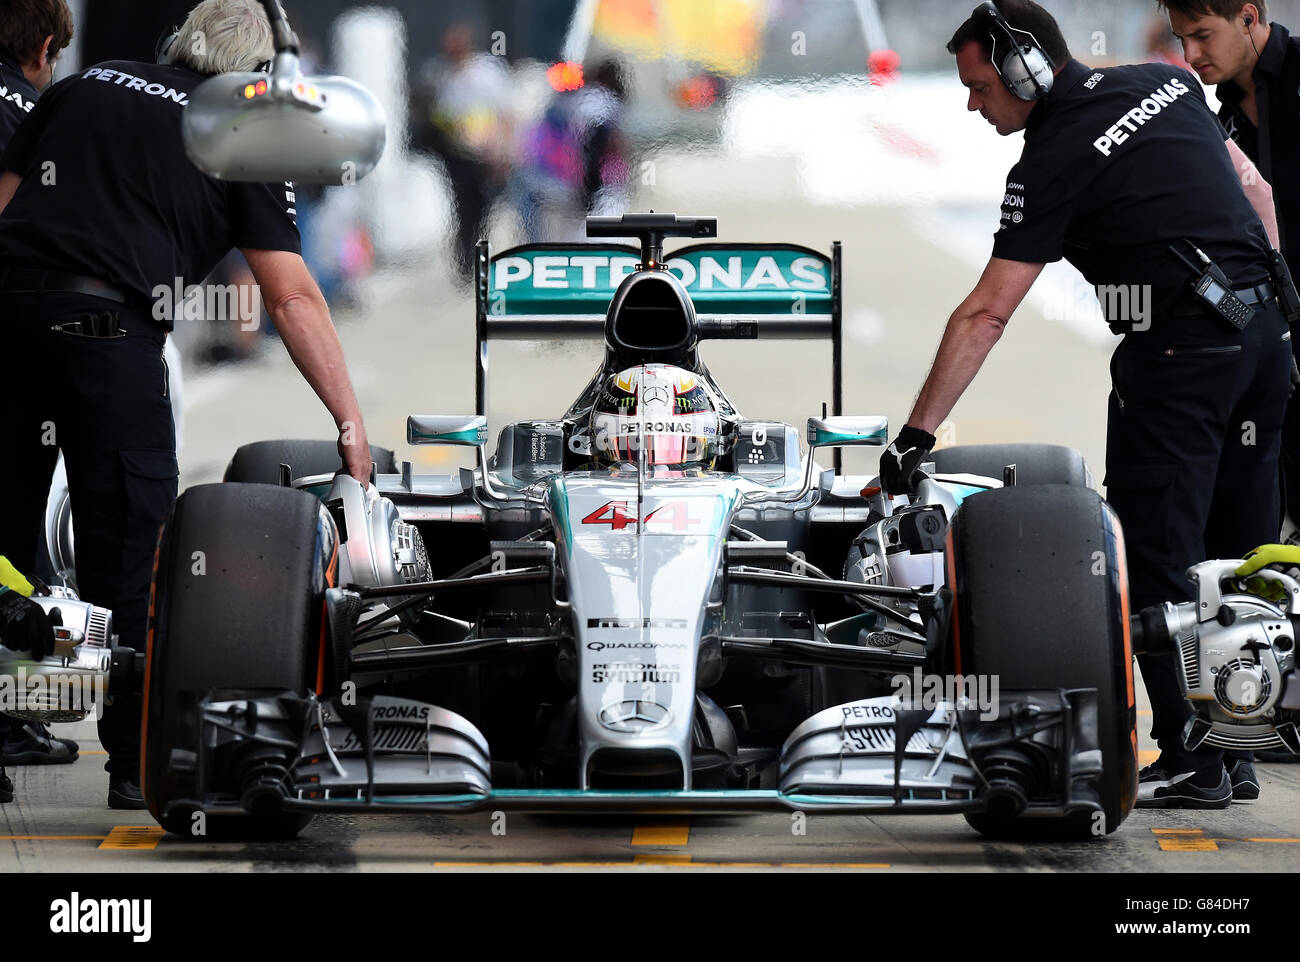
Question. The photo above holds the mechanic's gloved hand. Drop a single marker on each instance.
(899, 465)
(24, 625)
(1280, 557)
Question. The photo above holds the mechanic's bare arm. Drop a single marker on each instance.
(1258, 191)
(8, 187)
(972, 331)
(302, 319)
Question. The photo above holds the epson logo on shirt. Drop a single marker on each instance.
(1139, 115)
(138, 83)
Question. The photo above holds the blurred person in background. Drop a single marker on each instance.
(574, 161)
(99, 209)
(1161, 44)
(460, 109)
(1255, 67)
(32, 35)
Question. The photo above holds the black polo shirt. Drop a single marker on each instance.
(1277, 95)
(1118, 164)
(109, 193)
(17, 97)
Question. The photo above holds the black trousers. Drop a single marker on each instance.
(104, 403)
(1192, 448)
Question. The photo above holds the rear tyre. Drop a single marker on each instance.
(1035, 463)
(238, 591)
(1042, 603)
(259, 462)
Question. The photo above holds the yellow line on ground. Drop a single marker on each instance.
(91, 751)
(51, 838)
(1147, 755)
(661, 860)
(1276, 841)
(661, 835)
(133, 837)
(1184, 840)
(1144, 712)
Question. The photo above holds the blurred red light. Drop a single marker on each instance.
(565, 76)
(882, 66)
(698, 93)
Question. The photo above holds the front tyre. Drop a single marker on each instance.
(238, 590)
(1042, 603)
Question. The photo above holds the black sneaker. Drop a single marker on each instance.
(125, 793)
(6, 787)
(1160, 788)
(32, 743)
(1245, 784)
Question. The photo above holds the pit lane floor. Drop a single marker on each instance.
(412, 351)
(59, 822)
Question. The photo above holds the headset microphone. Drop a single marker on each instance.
(1026, 70)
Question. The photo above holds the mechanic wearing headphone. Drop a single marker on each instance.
(100, 208)
(1125, 174)
(32, 35)
(1256, 66)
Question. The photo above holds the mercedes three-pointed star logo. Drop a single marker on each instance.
(634, 715)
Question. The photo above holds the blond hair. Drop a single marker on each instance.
(224, 36)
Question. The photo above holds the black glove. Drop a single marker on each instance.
(899, 464)
(24, 625)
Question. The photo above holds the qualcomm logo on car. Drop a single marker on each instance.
(634, 715)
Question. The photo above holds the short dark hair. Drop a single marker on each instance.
(24, 25)
(1021, 15)
(1227, 9)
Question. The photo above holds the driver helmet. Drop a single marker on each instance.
(662, 408)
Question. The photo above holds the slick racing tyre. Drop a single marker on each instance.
(238, 589)
(1035, 463)
(259, 462)
(1041, 604)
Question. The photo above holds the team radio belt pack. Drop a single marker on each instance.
(1212, 287)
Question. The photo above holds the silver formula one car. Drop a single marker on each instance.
(646, 602)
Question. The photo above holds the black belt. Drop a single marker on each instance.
(22, 280)
(1262, 295)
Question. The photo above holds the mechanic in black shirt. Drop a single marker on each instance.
(1119, 164)
(1256, 66)
(32, 35)
(103, 217)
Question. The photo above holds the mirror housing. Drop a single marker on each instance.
(283, 126)
(848, 432)
(459, 430)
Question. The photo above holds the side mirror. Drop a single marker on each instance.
(455, 429)
(848, 432)
(284, 126)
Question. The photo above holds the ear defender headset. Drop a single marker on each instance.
(1026, 70)
(167, 41)
(162, 52)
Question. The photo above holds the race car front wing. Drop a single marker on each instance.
(1038, 756)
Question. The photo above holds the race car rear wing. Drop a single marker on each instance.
(740, 291)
